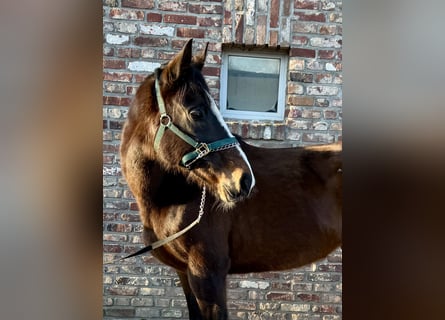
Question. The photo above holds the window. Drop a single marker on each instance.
(253, 84)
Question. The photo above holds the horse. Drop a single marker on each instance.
(260, 209)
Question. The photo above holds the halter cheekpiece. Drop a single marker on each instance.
(201, 148)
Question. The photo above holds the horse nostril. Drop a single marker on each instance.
(245, 184)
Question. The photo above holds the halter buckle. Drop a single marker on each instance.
(202, 149)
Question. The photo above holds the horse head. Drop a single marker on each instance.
(188, 134)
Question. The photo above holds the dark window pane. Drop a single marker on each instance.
(253, 84)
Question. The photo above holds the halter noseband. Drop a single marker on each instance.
(201, 148)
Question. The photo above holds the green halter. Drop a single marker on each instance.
(201, 148)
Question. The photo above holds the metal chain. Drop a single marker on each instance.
(202, 204)
(227, 146)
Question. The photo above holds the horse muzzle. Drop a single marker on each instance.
(235, 188)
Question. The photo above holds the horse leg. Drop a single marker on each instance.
(192, 304)
(210, 292)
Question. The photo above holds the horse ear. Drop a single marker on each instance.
(180, 62)
(199, 60)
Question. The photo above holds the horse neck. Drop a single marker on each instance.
(169, 188)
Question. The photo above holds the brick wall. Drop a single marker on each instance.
(138, 37)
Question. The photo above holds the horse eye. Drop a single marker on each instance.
(196, 114)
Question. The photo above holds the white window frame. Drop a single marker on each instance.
(282, 84)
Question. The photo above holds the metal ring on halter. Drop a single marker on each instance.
(163, 117)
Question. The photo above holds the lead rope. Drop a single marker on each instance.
(162, 242)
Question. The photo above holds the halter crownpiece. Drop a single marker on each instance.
(201, 148)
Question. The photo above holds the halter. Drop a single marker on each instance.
(201, 148)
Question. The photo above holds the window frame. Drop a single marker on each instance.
(282, 84)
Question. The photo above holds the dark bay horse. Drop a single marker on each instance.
(262, 209)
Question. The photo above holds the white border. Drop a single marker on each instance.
(253, 115)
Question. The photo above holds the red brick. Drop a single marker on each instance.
(301, 77)
(227, 17)
(308, 297)
(138, 78)
(150, 41)
(178, 44)
(131, 90)
(142, 4)
(330, 114)
(286, 8)
(238, 304)
(323, 78)
(322, 102)
(108, 159)
(300, 40)
(279, 296)
(205, 9)
(300, 101)
(128, 53)
(209, 22)
(214, 58)
(114, 248)
(261, 30)
(328, 30)
(324, 309)
(311, 114)
(326, 54)
(154, 17)
(279, 131)
(130, 217)
(273, 38)
(190, 33)
(181, 19)
(294, 113)
(173, 6)
(114, 64)
(165, 55)
(126, 14)
(299, 52)
(211, 71)
(122, 291)
(116, 124)
(117, 101)
(119, 227)
(239, 28)
(117, 76)
(274, 13)
(307, 4)
(107, 216)
(305, 27)
(134, 206)
(245, 130)
(287, 286)
(303, 16)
